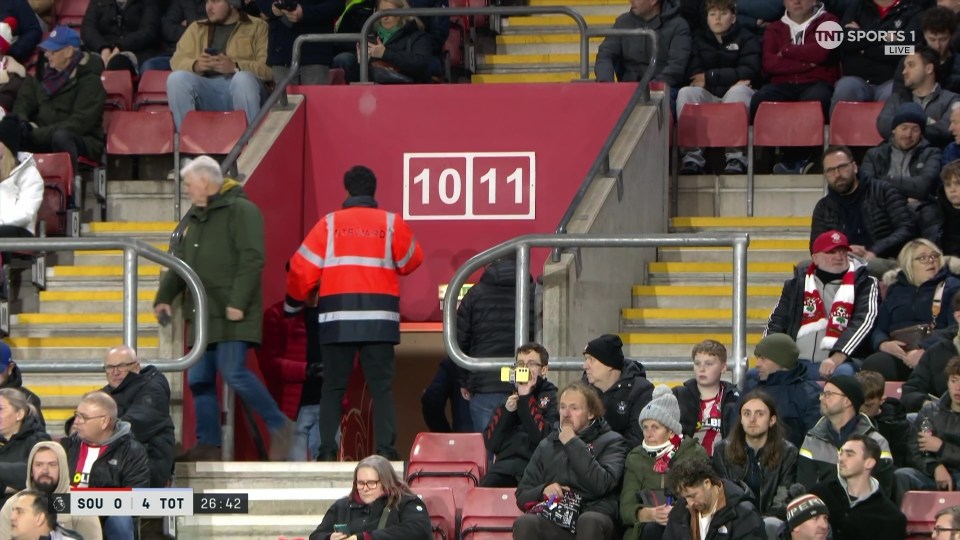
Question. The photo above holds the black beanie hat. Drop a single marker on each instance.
(10, 133)
(608, 349)
(850, 386)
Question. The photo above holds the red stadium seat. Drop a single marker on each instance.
(488, 514)
(152, 92)
(454, 46)
(893, 389)
(713, 125)
(456, 460)
(58, 179)
(780, 123)
(337, 77)
(442, 508)
(920, 507)
(209, 132)
(127, 134)
(70, 12)
(119, 87)
(855, 123)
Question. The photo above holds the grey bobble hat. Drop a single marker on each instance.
(664, 409)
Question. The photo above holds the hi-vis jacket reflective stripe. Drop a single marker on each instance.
(355, 255)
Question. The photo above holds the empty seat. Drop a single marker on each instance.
(893, 389)
(455, 460)
(70, 12)
(209, 132)
(921, 507)
(337, 77)
(713, 125)
(488, 514)
(140, 133)
(152, 91)
(119, 88)
(855, 123)
(443, 510)
(781, 123)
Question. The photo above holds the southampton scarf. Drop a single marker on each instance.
(815, 319)
(663, 453)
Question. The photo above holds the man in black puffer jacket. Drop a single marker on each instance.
(622, 385)
(927, 382)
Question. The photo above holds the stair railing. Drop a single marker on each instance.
(520, 247)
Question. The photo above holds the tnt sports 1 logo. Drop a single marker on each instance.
(829, 35)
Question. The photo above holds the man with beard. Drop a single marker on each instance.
(921, 87)
(49, 473)
(720, 508)
(873, 215)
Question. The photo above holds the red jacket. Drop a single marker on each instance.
(356, 256)
(283, 358)
(808, 62)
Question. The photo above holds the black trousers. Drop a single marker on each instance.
(590, 526)
(12, 231)
(64, 141)
(378, 363)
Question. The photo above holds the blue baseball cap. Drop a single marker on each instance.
(6, 355)
(60, 37)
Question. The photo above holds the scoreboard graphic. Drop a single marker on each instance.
(147, 502)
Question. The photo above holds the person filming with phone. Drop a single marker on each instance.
(289, 19)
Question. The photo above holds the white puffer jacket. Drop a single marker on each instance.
(21, 194)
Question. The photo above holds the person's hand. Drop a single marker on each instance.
(661, 513)
(566, 432)
(827, 367)
(853, 24)
(163, 310)
(511, 403)
(234, 314)
(929, 442)
(377, 49)
(858, 250)
(465, 393)
(894, 348)
(295, 15)
(698, 80)
(943, 479)
(275, 10)
(203, 64)
(554, 490)
(912, 358)
(869, 256)
(762, 23)
(742, 82)
(106, 53)
(222, 63)
(524, 389)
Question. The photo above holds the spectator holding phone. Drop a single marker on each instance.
(379, 501)
(219, 69)
(289, 19)
(399, 50)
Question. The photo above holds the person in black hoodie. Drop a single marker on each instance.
(124, 33)
(143, 400)
(19, 431)
(887, 415)
(10, 378)
(708, 405)
(518, 426)
(622, 384)
(727, 504)
(379, 501)
(400, 51)
(926, 383)
(725, 62)
(293, 18)
(940, 218)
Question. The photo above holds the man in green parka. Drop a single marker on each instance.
(223, 244)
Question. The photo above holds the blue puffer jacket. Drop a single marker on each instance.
(798, 399)
(907, 305)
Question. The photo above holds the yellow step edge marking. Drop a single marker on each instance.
(558, 20)
(68, 271)
(59, 415)
(550, 58)
(44, 390)
(703, 267)
(114, 252)
(80, 318)
(765, 243)
(81, 342)
(92, 296)
(676, 314)
(577, 2)
(703, 290)
(634, 338)
(133, 226)
(746, 222)
(534, 39)
(556, 77)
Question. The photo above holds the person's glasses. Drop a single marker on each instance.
(838, 169)
(827, 393)
(118, 367)
(928, 258)
(81, 418)
(938, 529)
(368, 484)
(528, 365)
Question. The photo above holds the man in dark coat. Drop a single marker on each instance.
(906, 160)
(291, 19)
(625, 58)
(224, 246)
(143, 401)
(124, 36)
(622, 384)
(926, 383)
(703, 495)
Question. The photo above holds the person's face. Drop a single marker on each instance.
(955, 124)
(700, 497)
(952, 5)
(871, 407)
(90, 422)
(573, 411)
(906, 136)
(832, 400)
(841, 172)
(644, 8)
(834, 261)
(117, 365)
(390, 21)
(799, 10)
(707, 369)
(368, 485)
(953, 386)
(720, 20)
(10, 418)
(915, 71)
(926, 263)
(59, 60)
(218, 11)
(596, 370)
(756, 419)
(655, 433)
(952, 190)
(938, 41)
(196, 186)
(45, 471)
(24, 523)
(765, 367)
(942, 528)
(815, 528)
(531, 361)
(850, 460)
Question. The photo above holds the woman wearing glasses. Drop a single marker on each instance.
(19, 431)
(918, 302)
(379, 501)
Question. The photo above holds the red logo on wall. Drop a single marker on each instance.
(469, 185)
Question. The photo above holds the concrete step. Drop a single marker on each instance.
(687, 318)
(142, 200)
(93, 301)
(579, 4)
(554, 61)
(104, 275)
(676, 344)
(540, 43)
(766, 224)
(243, 476)
(76, 346)
(150, 231)
(246, 527)
(109, 257)
(702, 296)
(544, 77)
(559, 21)
(675, 273)
(726, 195)
(760, 250)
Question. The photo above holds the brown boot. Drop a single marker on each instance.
(201, 452)
(281, 440)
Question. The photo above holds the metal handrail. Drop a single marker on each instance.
(520, 247)
(132, 248)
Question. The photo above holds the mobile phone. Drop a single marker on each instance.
(342, 528)
(212, 51)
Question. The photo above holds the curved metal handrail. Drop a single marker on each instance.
(132, 248)
(520, 246)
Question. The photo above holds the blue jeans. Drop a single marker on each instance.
(230, 359)
(240, 92)
(157, 63)
(852, 88)
(444, 388)
(482, 407)
(910, 479)
(307, 438)
(118, 528)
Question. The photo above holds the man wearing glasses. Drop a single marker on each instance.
(527, 417)
(143, 400)
(948, 524)
(873, 215)
(102, 453)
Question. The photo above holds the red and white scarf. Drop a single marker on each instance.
(814, 318)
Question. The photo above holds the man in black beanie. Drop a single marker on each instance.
(622, 384)
(840, 403)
